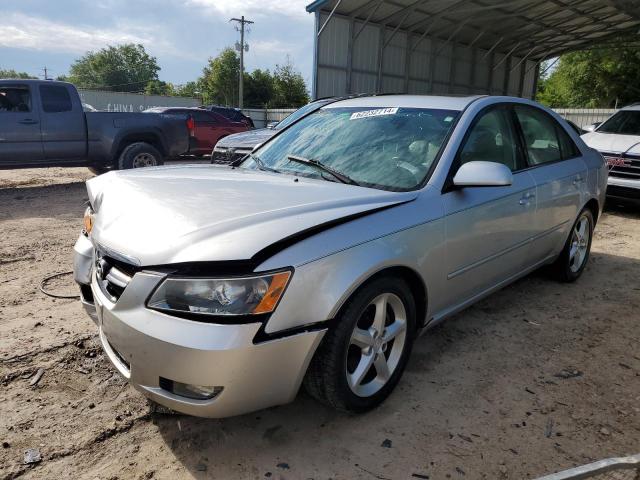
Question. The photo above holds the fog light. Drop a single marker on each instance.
(195, 392)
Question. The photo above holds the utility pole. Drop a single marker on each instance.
(46, 76)
(242, 47)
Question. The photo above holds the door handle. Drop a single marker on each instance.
(28, 121)
(526, 197)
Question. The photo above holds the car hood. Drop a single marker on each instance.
(165, 215)
(248, 139)
(612, 143)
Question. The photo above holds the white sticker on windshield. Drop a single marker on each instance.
(374, 113)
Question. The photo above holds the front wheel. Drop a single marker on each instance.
(139, 155)
(573, 259)
(361, 359)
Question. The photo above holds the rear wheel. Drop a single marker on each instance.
(575, 255)
(98, 170)
(139, 155)
(362, 358)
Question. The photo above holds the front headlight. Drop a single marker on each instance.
(230, 296)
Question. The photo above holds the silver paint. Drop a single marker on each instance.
(458, 244)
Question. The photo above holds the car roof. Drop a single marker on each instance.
(407, 101)
(222, 107)
(633, 106)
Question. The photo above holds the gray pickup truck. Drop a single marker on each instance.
(43, 124)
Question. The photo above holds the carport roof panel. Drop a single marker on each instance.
(537, 29)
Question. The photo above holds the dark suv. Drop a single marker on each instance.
(233, 114)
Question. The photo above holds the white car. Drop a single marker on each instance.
(618, 139)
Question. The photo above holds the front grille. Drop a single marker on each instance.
(225, 157)
(112, 276)
(623, 165)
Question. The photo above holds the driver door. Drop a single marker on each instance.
(487, 228)
(20, 137)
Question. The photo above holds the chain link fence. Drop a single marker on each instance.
(585, 116)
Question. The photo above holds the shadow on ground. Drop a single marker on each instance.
(446, 414)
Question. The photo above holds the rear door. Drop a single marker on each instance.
(557, 167)
(64, 134)
(488, 228)
(20, 138)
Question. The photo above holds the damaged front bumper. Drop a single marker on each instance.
(159, 354)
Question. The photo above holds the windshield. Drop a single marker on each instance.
(625, 122)
(301, 112)
(386, 148)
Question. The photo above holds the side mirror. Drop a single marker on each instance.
(592, 127)
(272, 125)
(483, 174)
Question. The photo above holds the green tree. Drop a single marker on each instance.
(189, 89)
(13, 74)
(597, 78)
(219, 81)
(122, 68)
(289, 87)
(158, 87)
(258, 88)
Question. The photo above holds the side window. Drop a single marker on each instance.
(545, 140)
(492, 139)
(55, 99)
(15, 99)
(202, 117)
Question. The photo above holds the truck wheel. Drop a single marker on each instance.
(361, 359)
(98, 170)
(138, 155)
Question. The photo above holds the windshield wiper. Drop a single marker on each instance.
(261, 164)
(321, 166)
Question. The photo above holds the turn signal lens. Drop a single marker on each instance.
(88, 220)
(274, 292)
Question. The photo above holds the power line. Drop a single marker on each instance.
(242, 22)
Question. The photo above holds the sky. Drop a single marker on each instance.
(181, 34)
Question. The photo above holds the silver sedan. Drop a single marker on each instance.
(320, 258)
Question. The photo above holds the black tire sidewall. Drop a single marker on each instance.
(350, 316)
(125, 162)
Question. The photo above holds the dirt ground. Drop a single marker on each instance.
(539, 377)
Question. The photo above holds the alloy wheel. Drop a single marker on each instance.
(579, 244)
(376, 345)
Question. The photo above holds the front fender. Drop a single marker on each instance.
(320, 288)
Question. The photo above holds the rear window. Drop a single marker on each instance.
(15, 99)
(55, 99)
(625, 122)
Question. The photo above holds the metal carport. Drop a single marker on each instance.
(454, 46)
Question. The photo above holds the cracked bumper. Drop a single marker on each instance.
(148, 347)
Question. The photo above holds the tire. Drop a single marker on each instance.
(98, 170)
(139, 154)
(332, 376)
(575, 254)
